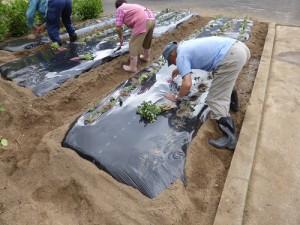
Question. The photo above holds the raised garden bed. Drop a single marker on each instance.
(48, 183)
(145, 155)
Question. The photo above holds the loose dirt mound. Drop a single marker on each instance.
(43, 183)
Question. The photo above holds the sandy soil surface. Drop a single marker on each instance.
(43, 183)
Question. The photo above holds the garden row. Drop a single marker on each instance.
(136, 134)
(47, 70)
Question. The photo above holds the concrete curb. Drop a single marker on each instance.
(233, 199)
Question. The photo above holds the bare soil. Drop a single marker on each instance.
(43, 183)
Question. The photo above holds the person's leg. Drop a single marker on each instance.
(234, 101)
(225, 75)
(55, 8)
(66, 19)
(148, 41)
(219, 95)
(135, 45)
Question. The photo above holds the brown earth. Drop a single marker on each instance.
(43, 183)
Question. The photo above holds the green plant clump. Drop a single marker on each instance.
(4, 28)
(127, 90)
(87, 57)
(54, 45)
(87, 9)
(143, 78)
(149, 111)
(17, 22)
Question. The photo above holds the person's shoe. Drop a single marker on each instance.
(132, 66)
(228, 139)
(146, 56)
(73, 37)
(234, 103)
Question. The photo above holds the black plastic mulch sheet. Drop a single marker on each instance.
(46, 71)
(147, 156)
(25, 43)
(229, 27)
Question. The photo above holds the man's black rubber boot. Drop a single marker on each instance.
(228, 139)
(73, 37)
(234, 103)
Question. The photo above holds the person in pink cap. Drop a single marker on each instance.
(142, 22)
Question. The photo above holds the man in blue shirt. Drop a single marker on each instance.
(52, 10)
(225, 58)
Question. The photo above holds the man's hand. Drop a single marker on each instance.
(175, 73)
(184, 89)
(41, 29)
(172, 97)
(61, 49)
(120, 31)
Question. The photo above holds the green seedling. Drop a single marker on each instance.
(227, 25)
(189, 105)
(112, 99)
(150, 111)
(244, 25)
(93, 116)
(248, 17)
(142, 78)
(87, 57)
(1, 107)
(91, 109)
(54, 45)
(88, 39)
(4, 142)
(217, 18)
(127, 90)
(108, 106)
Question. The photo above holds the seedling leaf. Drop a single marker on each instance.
(4, 142)
(1, 107)
(54, 45)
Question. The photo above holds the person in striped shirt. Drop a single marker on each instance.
(142, 22)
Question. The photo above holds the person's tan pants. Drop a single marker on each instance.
(225, 75)
(142, 40)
